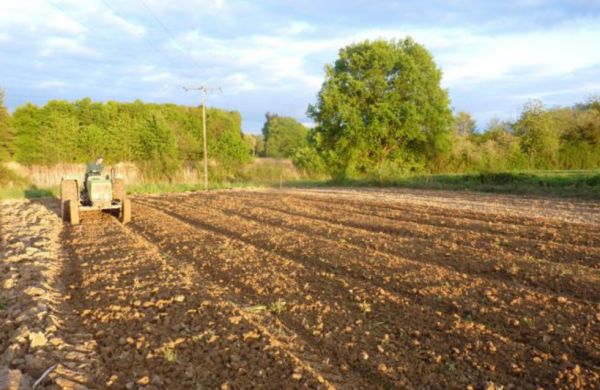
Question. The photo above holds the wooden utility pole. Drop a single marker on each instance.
(204, 90)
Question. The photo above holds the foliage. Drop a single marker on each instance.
(541, 138)
(283, 136)
(381, 108)
(572, 183)
(158, 137)
(309, 161)
(538, 135)
(8, 178)
(6, 132)
(464, 124)
(259, 145)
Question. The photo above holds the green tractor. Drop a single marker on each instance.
(106, 193)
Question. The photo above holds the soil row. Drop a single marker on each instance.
(411, 294)
(158, 324)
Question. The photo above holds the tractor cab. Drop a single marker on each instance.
(97, 190)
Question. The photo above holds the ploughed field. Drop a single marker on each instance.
(337, 288)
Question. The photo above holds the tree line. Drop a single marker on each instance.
(381, 111)
(160, 138)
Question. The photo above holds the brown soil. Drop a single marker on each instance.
(337, 289)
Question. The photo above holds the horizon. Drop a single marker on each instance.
(494, 57)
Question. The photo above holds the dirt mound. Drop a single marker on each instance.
(38, 331)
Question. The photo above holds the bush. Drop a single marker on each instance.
(308, 161)
(497, 178)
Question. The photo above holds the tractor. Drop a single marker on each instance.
(104, 193)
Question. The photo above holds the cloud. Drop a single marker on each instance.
(468, 55)
(269, 57)
(130, 27)
(589, 87)
(57, 45)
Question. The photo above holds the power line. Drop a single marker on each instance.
(99, 34)
(148, 42)
(170, 34)
(127, 52)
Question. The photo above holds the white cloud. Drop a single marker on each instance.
(59, 22)
(469, 56)
(259, 61)
(158, 77)
(590, 87)
(130, 27)
(267, 58)
(54, 45)
(240, 82)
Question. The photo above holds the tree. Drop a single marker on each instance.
(27, 121)
(381, 107)
(6, 132)
(538, 136)
(157, 151)
(158, 137)
(464, 123)
(259, 145)
(580, 136)
(250, 143)
(283, 136)
(92, 142)
(499, 149)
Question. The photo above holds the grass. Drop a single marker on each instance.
(583, 184)
(365, 307)
(28, 192)
(159, 188)
(278, 306)
(561, 183)
(170, 355)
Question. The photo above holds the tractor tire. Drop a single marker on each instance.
(126, 211)
(118, 189)
(73, 210)
(68, 192)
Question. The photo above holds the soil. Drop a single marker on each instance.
(323, 288)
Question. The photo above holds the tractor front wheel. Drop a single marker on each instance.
(126, 211)
(68, 193)
(73, 210)
(118, 189)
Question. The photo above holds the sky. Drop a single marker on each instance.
(269, 56)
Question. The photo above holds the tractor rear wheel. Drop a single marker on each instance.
(126, 211)
(118, 189)
(73, 210)
(68, 192)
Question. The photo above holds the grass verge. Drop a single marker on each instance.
(576, 183)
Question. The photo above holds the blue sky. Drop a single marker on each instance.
(269, 55)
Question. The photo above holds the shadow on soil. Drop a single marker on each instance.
(51, 203)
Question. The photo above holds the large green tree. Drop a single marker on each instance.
(283, 136)
(381, 107)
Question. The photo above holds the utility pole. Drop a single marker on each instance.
(204, 90)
